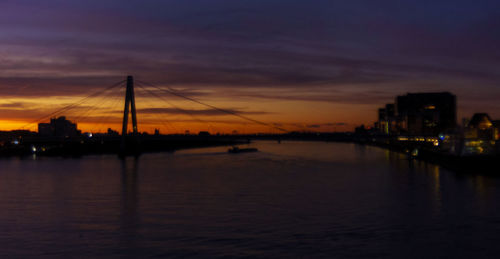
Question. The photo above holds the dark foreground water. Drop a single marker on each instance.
(295, 199)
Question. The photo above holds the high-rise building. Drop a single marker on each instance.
(426, 114)
(387, 119)
(58, 127)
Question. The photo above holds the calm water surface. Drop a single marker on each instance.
(295, 199)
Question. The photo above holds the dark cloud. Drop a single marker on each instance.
(320, 125)
(12, 105)
(207, 112)
(330, 95)
(20, 114)
(336, 124)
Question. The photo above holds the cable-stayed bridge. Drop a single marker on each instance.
(100, 111)
(107, 102)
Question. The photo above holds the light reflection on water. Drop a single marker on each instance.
(290, 199)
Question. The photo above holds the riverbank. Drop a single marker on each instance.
(136, 145)
(133, 145)
(484, 164)
(429, 151)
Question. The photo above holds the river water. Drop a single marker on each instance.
(294, 199)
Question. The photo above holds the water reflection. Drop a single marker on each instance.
(477, 188)
(129, 216)
(292, 199)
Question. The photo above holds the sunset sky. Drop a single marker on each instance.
(301, 65)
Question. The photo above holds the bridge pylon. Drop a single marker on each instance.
(129, 108)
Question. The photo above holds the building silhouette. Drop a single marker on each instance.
(112, 132)
(481, 126)
(387, 120)
(426, 114)
(58, 127)
(480, 135)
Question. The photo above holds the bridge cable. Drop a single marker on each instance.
(166, 123)
(106, 119)
(113, 102)
(102, 102)
(175, 93)
(175, 106)
(73, 105)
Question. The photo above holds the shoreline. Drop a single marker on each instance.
(81, 146)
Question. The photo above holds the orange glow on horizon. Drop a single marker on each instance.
(98, 116)
(173, 128)
(179, 127)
